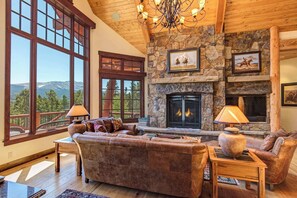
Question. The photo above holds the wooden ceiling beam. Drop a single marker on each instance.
(220, 18)
(289, 44)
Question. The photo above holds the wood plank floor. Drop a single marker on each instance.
(41, 173)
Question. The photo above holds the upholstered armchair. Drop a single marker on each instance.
(278, 159)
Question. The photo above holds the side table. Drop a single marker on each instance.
(67, 145)
(247, 167)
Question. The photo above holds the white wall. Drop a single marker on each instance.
(102, 38)
(288, 75)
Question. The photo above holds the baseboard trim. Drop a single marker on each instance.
(23, 160)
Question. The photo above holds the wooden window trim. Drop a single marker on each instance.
(76, 15)
(122, 75)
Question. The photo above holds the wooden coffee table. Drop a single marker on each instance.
(247, 167)
(67, 145)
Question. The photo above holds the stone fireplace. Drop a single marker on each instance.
(184, 110)
(162, 93)
(214, 83)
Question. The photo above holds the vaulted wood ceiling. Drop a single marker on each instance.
(228, 16)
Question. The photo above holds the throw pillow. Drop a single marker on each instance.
(108, 125)
(99, 128)
(268, 142)
(100, 134)
(90, 126)
(117, 124)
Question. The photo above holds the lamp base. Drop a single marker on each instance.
(76, 127)
(231, 142)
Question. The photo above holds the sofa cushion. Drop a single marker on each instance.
(117, 124)
(100, 134)
(127, 132)
(133, 136)
(270, 139)
(157, 139)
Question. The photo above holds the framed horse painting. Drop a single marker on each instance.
(246, 62)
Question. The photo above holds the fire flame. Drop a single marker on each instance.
(188, 113)
(178, 113)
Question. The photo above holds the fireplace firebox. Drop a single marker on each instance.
(184, 111)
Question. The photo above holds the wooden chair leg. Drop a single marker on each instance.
(87, 180)
(271, 187)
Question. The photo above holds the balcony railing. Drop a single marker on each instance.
(47, 120)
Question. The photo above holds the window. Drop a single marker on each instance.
(47, 64)
(121, 86)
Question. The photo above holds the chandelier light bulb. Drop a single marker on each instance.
(155, 20)
(182, 20)
(145, 15)
(201, 4)
(195, 12)
(140, 8)
(157, 2)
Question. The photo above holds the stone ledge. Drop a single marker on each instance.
(249, 78)
(193, 132)
(185, 79)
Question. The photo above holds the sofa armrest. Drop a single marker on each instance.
(254, 143)
(266, 156)
(130, 127)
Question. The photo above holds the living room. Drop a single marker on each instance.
(186, 98)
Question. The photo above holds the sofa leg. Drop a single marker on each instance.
(271, 187)
(87, 180)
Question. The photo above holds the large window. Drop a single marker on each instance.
(121, 86)
(47, 66)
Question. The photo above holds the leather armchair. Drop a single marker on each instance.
(278, 159)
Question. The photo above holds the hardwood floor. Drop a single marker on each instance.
(41, 173)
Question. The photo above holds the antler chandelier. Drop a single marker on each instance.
(171, 13)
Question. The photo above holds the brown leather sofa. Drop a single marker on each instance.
(137, 162)
(278, 159)
(129, 129)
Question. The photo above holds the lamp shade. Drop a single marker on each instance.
(231, 115)
(77, 111)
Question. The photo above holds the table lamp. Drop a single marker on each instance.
(75, 112)
(231, 141)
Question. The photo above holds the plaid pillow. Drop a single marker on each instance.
(99, 128)
(108, 125)
(90, 126)
(117, 124)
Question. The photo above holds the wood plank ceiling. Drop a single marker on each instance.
(237, 16)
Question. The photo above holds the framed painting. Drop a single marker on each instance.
(183, 60)
(246, 62)
(289, 94)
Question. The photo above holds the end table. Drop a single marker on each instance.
(67, 145)
(247, 167)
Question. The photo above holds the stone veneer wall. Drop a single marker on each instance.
(245, 42)
(212, 63)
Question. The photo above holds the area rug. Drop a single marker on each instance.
(220, 178)
(69, 193)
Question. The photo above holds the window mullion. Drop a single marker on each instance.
(72, 62)
(33, 73)
(122, 98)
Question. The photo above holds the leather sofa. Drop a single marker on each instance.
(170, 168)
(278, 159)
